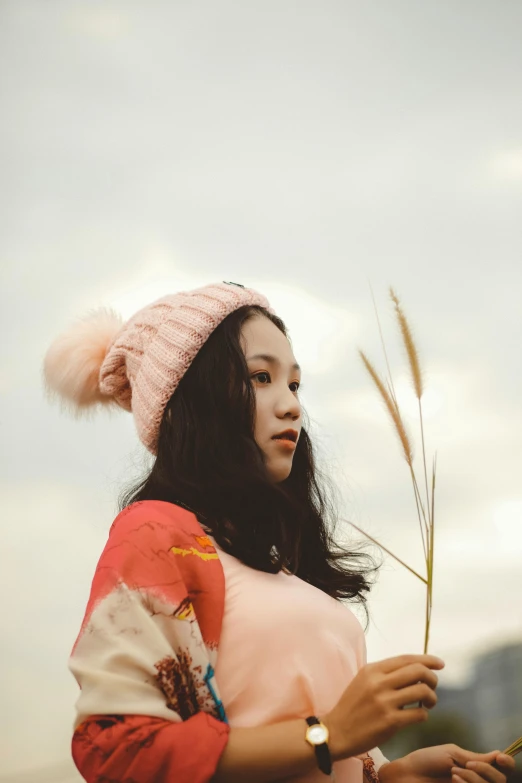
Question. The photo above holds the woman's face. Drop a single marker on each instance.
(275, 378)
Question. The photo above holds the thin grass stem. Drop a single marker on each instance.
(432, 530)
(424, 456)
(392, 389)
(374, 540)
(418, 501)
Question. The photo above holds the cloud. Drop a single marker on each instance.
(506, 165)
(320, 332)
(98, 21)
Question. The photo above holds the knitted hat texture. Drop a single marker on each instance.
(140, 364)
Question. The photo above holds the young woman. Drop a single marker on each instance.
(216, 644)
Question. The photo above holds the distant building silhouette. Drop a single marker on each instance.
(496, 696)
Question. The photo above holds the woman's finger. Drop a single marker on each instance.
(486, 771)
(409, 675)
(503, 761)
(415, 694)
(411, 716)
(459, 775)
(392, 664)
(478, 772)
(461, 756)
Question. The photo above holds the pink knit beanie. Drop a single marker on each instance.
(139, 364)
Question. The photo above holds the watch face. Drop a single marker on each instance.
(317, 735)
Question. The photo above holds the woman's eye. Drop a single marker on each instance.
(264, 379)
(260, 375)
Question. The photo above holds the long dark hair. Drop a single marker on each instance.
(209, 462)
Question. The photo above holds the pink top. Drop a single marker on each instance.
(304, 647)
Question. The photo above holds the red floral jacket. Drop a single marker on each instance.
(149, 709)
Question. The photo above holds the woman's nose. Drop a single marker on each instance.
(290, 405)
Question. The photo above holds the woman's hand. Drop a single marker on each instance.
(370, 710)
(448, 763)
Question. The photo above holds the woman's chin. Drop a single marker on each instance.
(280, 472)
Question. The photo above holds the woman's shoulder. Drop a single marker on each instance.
(152, 529)
(150, 540)
(156, 518)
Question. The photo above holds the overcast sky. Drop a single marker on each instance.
(305, 149)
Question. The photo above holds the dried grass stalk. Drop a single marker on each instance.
(425, 509)
(515, 748)
(409, 344)
(392, 408)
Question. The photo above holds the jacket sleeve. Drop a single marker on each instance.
(149, 709)
(372, 762)
(141, 749)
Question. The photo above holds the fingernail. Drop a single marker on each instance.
(456, 779)
(471, 764)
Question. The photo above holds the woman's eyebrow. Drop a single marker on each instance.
(266, 357)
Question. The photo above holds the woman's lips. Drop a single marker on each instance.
(285, 443)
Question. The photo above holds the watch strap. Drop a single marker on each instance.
(322, 751)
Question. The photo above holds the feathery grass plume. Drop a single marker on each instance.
(392, 408)
(416, 377)
(409, 344)
(425, 508)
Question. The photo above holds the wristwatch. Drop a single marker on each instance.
(317, 736)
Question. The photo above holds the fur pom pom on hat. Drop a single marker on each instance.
(72, 363)
(139, 364)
